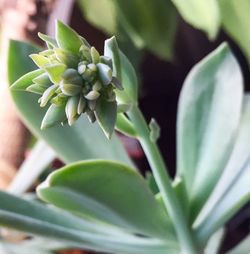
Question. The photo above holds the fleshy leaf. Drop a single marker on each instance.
(109, 192)
(54, 115)
(67, 38)
(55, 72)
(207, 123)
(106, 116)
(26, 80)
(204, 15)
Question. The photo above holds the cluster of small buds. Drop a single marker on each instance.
(75, 81)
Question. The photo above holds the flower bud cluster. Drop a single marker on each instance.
(74, 81)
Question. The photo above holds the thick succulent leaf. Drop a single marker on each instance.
(77, 141)
(106, 116)
(215, 241)
(54, 115)
(55, 72)
(149, 24)
(67, 38)
(95, 11)
(234, 198)
(242, 248)
(37, 219)
(124, 71)
(26, 80)
(109, 192)
(50, 41)
(40, 157)
(235, 20)
(238, 159)
(207, 122)
(204, 15)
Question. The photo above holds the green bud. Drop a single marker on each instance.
(92, 95)
(82, 104)
(47, 95)
(92, 67)
(97, 86)
(59, 100)
(72, 76)
(66, 57)
(81, 68)
(105, 73)
(85, 53)
(71, 109)
(106, 60)
(88, 75)
(155, 130)
(94, 55)
(70, 89)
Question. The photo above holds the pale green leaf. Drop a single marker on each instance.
(207, 123)
(235, 21)
(109, 192)
(202, 14)
(67, 38)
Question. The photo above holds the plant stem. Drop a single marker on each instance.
(163, 181)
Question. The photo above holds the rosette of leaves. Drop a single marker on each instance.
(74, 79)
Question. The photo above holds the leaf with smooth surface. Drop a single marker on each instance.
(106, 116)
(238, 159)
(77, 141)
(235, 21)
(109, 192)
(67, 38)
(149, 24)
(202, 14)
(95, 11)
(26, 80)
(123, 70)
(234, 198)
(37, 219)
(207, 122)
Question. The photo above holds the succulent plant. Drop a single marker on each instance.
(74, 79)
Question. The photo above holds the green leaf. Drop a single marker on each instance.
(125, 126)
(207, 123)
(95, 11)
(149, 24)
(39, 60)
(235, 21)
(106, 116)
(109, 192)
(215, 241)
(35, 88)
(67, 38)
(234, 198)
(54, 115)
(124, 71)
(26, 80)
(77, 141)
(242, 248)
(81, 233)
(204, 15)
(55, 72)
(227, 198)
(50, 41)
